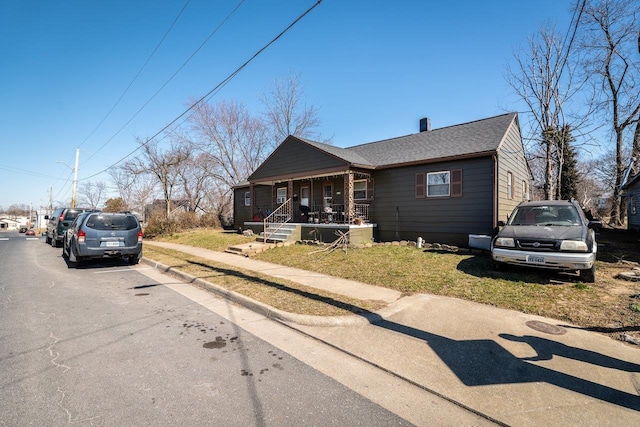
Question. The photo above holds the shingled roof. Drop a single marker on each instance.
(468, 139)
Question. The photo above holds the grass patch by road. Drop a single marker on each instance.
(606, 306)
(278, 293)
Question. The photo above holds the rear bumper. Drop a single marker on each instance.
(546, 260)
(115, 252)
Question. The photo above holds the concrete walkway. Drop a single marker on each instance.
(511, 368)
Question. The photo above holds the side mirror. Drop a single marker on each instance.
(46, 217)
(595, 225)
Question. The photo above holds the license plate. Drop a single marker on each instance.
(111, 244)
(535, 259)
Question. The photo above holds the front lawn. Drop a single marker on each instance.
(610, 305)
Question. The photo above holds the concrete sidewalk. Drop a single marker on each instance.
(514, 369)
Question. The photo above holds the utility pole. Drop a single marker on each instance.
(75, 179)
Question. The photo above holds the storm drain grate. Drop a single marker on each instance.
(546, 327)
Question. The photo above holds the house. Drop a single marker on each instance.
(8, 224)
(631, 189)
(442, 184)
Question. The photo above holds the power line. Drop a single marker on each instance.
(168, 81)
(211, 92)
(138, 73)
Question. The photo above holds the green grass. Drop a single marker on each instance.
(466, 276)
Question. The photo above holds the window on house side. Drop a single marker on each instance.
(525, 193)
(247, 198)
(509, 185)
(360, 189)
(281, 195)
(438, 184)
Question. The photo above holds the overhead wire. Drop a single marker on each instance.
(126, 90)
(211, 92)
(166, 82)
(137, 74)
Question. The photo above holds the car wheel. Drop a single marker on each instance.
(53, 241)
(74, 260)
(133, 260)
(589, 276)
(47, 239)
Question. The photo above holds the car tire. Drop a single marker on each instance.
(47, 239)
(53, 241)
(133, 260)
(589, 276)
(74, 260)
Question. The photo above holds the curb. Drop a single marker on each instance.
(264, 309)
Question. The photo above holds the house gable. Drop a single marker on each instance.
(296, 157)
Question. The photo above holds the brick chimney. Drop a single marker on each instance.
(425, 124)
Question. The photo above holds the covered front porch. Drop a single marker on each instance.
(320, 204)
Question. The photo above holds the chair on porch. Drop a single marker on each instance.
(304, 213)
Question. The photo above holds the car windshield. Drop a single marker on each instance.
(545, 215)
(112, 222)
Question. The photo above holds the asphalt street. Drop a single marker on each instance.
(108, 345)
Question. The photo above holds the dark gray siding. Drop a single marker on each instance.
(294, 158)
(633, 206)
(261, 199)
(400, 216)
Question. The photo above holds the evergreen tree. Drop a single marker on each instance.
(569, 178)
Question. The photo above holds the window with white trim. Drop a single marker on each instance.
(247, 198)
(360, 189)
(438, 184)
(281, 195)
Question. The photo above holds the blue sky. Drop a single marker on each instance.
(372, 68)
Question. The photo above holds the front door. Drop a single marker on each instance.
(304, 196)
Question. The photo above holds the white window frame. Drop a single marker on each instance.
(247, 198)
(360, 181)
(281, 195)
(509, 185)
(431, 185)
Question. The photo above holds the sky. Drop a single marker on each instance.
(98, 75)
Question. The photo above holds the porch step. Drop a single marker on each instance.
(282, 234)
(248, 249)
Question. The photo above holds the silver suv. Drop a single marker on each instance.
(549, 234)
(95, 235)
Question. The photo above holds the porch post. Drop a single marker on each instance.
(349, 208)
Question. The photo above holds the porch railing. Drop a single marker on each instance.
(335, 213)
(277, 219)
(361, 211)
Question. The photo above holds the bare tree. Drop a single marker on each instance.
(162, 164)
(136, 188)
(286, 112)
(232, 142)
(92, 194)
(610, 39)
(195, 180)
(545, 80)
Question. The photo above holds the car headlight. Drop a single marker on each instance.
(507, 242)
(573, 245)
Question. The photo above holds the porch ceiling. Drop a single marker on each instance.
(309, 176)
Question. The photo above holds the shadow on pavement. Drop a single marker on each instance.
(485, 362)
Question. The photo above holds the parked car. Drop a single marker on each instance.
(550, 234)
(95, 235)
(58, 223)
(30, 232)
